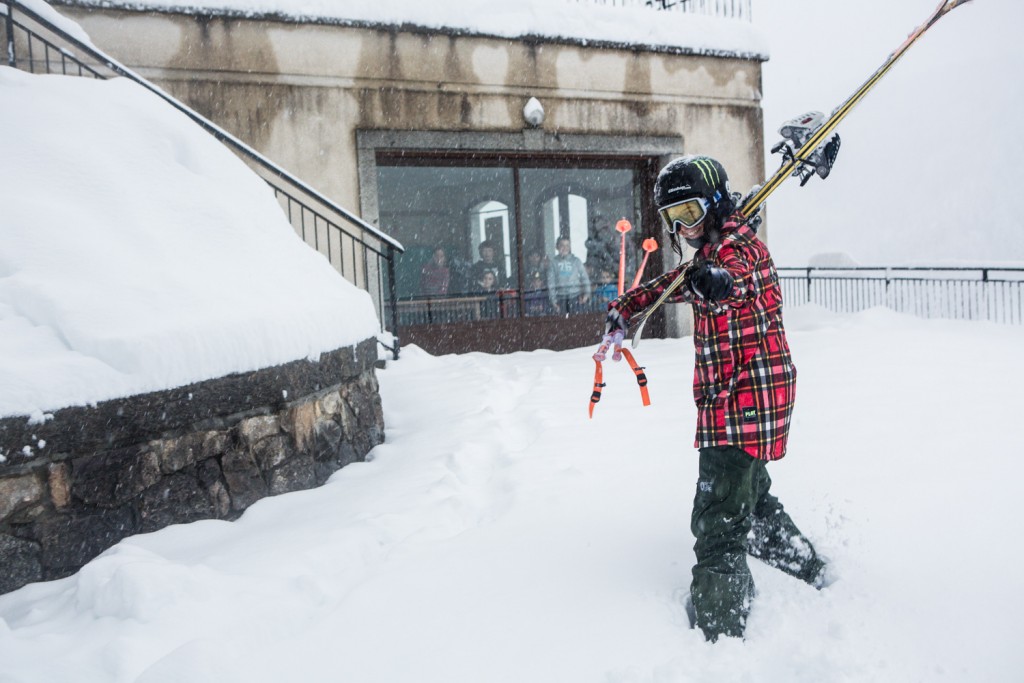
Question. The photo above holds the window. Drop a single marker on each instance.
(505, 237)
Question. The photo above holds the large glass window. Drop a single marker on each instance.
(515, 238)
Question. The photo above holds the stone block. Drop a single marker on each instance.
(272, 451)
(327, 441)
(178, 453)
(177, 499)
(60, 484)
(244, 481)
(295, 475)
(70, 540)
(111, 479)
(299, 421)
(330, 403)
(20, 561)
(219, 499)
(255, 428)
(208, 471)
(17, 493)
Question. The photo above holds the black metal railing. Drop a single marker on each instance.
(993, 294)
(364, 255)
(730, 9)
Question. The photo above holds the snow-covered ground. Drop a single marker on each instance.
(499, 535)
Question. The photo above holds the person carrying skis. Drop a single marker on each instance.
(743, 384)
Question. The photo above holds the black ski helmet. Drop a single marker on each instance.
(692, 176)
(697, 176)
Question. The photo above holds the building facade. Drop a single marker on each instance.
(481, 154)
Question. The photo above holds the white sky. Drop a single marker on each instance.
(930, 160)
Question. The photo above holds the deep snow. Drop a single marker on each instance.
(499, 535)
(140, 254)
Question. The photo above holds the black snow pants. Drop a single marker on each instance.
(734, 514)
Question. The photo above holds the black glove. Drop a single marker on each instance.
(614, 322)
(710, 282)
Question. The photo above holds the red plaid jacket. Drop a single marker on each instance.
(744, 380)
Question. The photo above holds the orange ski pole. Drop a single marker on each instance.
(650, 246)
(623, 226)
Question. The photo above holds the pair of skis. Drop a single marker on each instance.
(805, 160)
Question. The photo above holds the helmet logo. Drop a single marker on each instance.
(708, 170)
(680, 188)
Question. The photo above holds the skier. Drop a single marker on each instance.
(744, 382)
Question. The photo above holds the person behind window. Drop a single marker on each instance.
(435, 277)
(488, 282)
(606, 289)
(488, 262)
(487, 286)
(535, 296)
(568, 283)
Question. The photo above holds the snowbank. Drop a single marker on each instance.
(139, 254)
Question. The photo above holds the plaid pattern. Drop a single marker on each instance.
(744, 380)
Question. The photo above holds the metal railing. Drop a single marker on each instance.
(363, 255)
(993, 294)
(730, 9)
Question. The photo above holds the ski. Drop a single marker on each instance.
(810, 149)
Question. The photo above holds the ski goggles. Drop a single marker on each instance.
(685, 214)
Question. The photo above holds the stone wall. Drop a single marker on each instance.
(76, 483)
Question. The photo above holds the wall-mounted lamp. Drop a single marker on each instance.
(533, 112)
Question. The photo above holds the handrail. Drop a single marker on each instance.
(731, 9)
(993, 293)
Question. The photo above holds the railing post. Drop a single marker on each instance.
(393, 297)
(12, 61)
(809, 285)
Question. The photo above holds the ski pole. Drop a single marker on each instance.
(623, 226)
(650, 245)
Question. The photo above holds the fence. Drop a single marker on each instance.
(359, 251)
(730, 9)
(993, 294)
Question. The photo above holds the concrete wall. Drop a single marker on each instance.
(300, 92)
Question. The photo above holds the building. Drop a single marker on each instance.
(451, 137)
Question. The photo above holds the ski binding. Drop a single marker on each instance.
(796, 132)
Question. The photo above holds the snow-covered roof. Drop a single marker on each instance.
(560, 20)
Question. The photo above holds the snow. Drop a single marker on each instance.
(499, 535)
(139, 254)
(51, 15)
(930, 158)
(571, 19)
